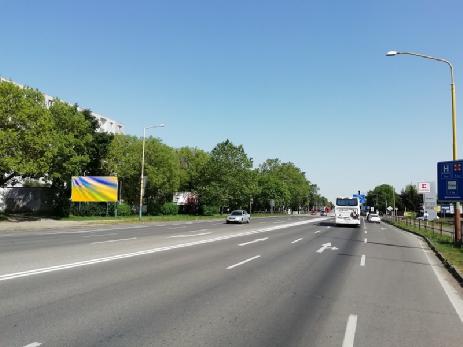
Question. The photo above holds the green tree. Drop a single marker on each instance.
(27, 133)
(284, 183)
(381, 195)
(410, 198)
(162, 169)
(72, 141)
(192, 162)
(227, 180)
(123, 159)
(98, 147)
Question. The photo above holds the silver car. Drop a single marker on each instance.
(238, 216)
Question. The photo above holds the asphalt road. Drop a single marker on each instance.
(289, 281)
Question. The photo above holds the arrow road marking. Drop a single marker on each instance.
(325, 246)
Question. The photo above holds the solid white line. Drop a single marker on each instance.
(317, 232)
(254, 241)
(242, 262)
(190, 235)
(109, 241)
(351, 327)
(297, 240)
(27, 273)
(33, 344)
(362, 260)
(87, 236)
(451, 292)
(198, 231)
(365, 240)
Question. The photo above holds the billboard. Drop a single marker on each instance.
(94, 189)
(185, 198)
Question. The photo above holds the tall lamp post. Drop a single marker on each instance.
(140, 212)
(454, 127)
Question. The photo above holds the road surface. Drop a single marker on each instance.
(287, 281)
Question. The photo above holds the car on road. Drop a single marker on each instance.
(322, 213)
(238, 216)
(374, 218)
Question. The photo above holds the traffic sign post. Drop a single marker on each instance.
(450, 188)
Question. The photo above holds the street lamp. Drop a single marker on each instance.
(143, 167)
(454, 125)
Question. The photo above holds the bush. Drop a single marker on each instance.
(169, 208)
(124, 210)
(206, 210)
(88, 209)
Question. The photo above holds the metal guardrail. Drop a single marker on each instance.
(434, 226)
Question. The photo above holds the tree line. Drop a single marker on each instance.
(52, 144)
(385, 195)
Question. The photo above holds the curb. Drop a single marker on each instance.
(450, 268)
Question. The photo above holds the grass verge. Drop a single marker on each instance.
(443, 244)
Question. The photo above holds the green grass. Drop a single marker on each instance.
(444, 244)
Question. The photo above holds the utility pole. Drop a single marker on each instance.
(457, 221)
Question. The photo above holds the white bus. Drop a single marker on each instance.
(347, 211)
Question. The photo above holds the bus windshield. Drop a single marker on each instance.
(346, 202)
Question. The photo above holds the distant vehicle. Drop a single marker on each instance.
(374, 218)
(238, 216)
(322, 213)
(347, 211)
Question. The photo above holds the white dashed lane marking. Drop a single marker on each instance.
(254, 241)
(242, 262)
(33, 272)
(111, 241)
(362, 260)
(189, 235)
(351, 327)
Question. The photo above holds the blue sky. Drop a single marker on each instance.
(304, 81)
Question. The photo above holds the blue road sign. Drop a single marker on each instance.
(361, 197)
(450, 180)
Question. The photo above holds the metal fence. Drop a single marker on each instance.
(434, 226)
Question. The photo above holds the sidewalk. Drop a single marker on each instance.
(43, 224)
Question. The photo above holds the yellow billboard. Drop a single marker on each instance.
(94, 189)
